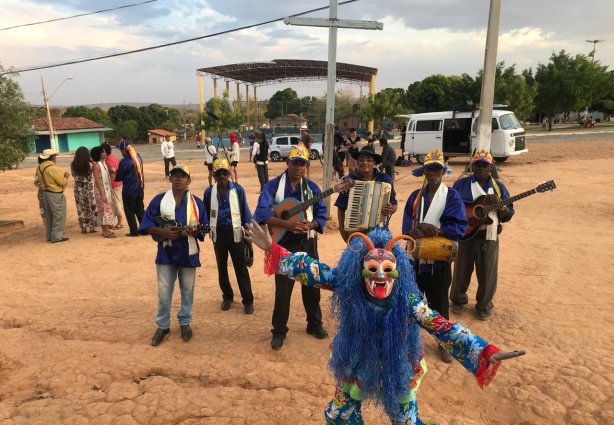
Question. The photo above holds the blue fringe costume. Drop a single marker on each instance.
(377, 352)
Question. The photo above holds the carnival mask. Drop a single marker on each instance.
(379, 267)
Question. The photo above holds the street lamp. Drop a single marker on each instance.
(592, 53)
(46, 99)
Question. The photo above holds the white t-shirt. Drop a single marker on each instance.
(210, 151)
(168, 149)
(234, 152)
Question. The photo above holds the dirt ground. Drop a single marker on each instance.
(76, 318)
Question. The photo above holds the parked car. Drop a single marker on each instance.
(280, 147)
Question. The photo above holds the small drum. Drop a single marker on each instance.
(437, 248)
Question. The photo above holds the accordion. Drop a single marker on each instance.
(365, 203)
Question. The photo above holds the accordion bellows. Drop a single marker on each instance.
(365, 203)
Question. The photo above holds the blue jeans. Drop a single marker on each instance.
(167, 274)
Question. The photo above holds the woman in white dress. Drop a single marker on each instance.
(104, 195)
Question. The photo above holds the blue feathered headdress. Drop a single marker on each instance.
(374, 342)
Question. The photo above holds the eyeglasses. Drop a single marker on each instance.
(222, 173)
(366, 159)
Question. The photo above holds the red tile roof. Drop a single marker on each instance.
(161, 132)
(78, 123)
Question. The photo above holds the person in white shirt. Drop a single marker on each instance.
(168, 153)
(260, 155)
(210, 156)
(234, 157)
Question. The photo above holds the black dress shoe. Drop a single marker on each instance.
(277, 341)
(318, 332)
(186, 332)
(248, 309)
(226, 305)
(159, 336)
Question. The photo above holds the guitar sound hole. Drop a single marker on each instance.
(478, 212)
(285, 215)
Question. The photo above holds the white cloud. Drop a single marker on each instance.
(420, 38)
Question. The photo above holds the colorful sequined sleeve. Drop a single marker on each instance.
(470, 350)
(298, 266)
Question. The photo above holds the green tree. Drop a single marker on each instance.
(226, 119)
(569, 83)
(16, 123)
(95, 114)
(283, 102)
(440, 92)
(513, 90)
(384, 105)
(128, 129)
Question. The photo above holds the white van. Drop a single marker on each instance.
(454, 133)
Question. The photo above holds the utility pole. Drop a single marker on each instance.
(487, 94)
(332, 23)
(50, 124)
(594, 42)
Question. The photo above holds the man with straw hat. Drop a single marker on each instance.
(52, 183)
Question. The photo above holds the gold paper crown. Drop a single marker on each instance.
(220, 164)
(299, 152)
(483, 156)
(434, 157)
(182, 168)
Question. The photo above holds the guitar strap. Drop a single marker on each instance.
(235, 213)
(306, 193)
(167, 211)
(476, 192)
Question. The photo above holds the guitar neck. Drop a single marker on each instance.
(304, 205)
(508, 201)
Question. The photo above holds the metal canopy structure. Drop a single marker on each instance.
(285, 70)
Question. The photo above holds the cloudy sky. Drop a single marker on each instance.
(420, 38)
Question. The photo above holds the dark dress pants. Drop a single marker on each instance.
(225, 244)
(484, 255)
(435, 286)
(133, 209)
(263, 174)
(283, 292)
(168, 161)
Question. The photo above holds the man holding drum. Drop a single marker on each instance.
(482, 249)
(434, 210)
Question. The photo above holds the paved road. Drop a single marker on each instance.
(189, 151)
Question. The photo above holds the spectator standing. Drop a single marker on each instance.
(85, 199)
(260, 153)
(168, 154)
(132, 175)
(210, 156)
(52, 182)
(389, 157)
(113, 164)
(234, 157)
(104, 193)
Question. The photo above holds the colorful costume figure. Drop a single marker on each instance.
(377, 353)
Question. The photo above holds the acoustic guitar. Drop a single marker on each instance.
(477, 211)
(293, 210)
(165, 222)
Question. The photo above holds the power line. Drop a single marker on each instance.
(145, 49)
(78, 16)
